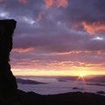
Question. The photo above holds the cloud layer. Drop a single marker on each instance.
(57, 34)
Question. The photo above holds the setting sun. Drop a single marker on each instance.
(82, 74)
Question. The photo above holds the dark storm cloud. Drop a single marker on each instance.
(60, 43)
(53, 31)
(90, 10)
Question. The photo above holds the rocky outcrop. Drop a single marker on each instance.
(8, 86)
(76, 98)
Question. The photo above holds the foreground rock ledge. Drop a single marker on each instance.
(8, 86)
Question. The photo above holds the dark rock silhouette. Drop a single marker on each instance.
(76, 88)
(96, 84)
(8, 85)
(76, 98)
(101, 92)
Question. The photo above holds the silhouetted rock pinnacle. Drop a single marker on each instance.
(8, 86)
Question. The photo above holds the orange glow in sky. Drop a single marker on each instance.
(48, 3)
(64, 68)
(58, 3)
(20, 50)
(93, 27)
(23, 1)
(35, 72)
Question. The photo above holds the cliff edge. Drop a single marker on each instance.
(8, 85)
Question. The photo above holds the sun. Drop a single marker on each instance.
(81, 75)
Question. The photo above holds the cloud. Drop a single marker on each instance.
(93, 28)
(40, 15)
(22, 50)
(57, 3)
(49, 4)
(48, 61)
(99, 52)
(1, 0)
(53, 40)
(62, 3)
(58, 42)
(23, 1)
(4, 14)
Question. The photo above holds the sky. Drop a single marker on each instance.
(57, 37)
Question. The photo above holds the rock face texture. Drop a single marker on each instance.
(8, 86)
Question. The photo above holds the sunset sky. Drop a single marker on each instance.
(57, 37)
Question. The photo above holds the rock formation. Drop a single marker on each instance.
(8, 86)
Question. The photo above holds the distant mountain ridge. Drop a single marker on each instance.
(28, 81)
(98, 79)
